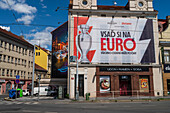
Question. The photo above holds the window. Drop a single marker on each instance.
(0, 57)
(29, 64)
(8, 58)
(18, 61)
(11, 73)
(19, 50)
(12, 59)
(15, 60)
(15, 72)
(12, 47)
(37, 53)
(4, 58)
(1, 43)
(21, 73)
(5, 45)
(3, 72)
(29, 53)
(7, 72)
(18, 73)
(16, 48)
(144, 83)
(9, 46)
(103, 15)
(25, 51)
(167, 55)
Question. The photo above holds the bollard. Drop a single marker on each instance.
(87, 96)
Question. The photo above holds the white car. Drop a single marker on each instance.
(25, 92)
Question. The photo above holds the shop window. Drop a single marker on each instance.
(104, 84)
(144, 83)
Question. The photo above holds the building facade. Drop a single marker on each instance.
(117, 49)
(16, 58)
(164, 41)
(42, 65)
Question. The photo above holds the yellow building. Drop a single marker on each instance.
(43, 65)
(41, 57)
(164, 40)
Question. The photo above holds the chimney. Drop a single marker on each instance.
(71, 1)
(168, 19)
(22, 36)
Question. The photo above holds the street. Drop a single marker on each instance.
(75, 107)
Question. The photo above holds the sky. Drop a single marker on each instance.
(37, 18)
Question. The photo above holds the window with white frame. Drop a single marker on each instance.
(167, 55)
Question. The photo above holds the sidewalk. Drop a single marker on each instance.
(83, 100)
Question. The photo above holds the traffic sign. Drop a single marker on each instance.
(17, 81)
(17, 77)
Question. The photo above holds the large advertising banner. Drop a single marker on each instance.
(114, 40)
(60, 52)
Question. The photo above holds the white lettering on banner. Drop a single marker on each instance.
(117, 40)
(167, 68)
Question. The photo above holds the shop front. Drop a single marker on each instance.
(166, 79)
(124, 81)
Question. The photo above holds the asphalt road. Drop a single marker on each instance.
(126, 107)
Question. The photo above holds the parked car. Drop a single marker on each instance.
(25, 92)
(44, 91)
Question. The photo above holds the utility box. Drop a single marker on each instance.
(60, 92)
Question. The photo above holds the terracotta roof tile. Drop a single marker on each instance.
(15, 37)
(39, 68)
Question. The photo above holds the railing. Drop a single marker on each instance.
(128, 95)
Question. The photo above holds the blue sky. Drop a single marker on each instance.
(36, 13)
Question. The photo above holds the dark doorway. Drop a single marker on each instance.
(8, 87)
(125, 85)
(80, 85)
(168, 86)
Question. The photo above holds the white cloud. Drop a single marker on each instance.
(6, 28)
(20, 6)
(43, 6)
(48, 15)
(24, 8)
(41, 0)
(26, 19)
(43, 37)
